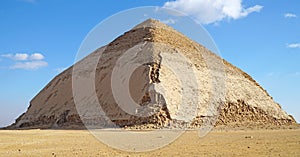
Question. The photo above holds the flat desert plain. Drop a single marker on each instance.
(280, 142)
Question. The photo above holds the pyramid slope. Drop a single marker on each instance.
(245, 101)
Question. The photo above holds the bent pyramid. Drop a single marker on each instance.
(171, 81)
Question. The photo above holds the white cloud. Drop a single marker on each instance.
(169, 21)
(293, 45)
(211, 11)
(290, 15)
(36, 56)
(24, 56)
(20, 56)
(17, 56)
(26, 61)
(31, 65)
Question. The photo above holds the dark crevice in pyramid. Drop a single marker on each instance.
(246, 102)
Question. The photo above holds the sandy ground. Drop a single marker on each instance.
(216, 143)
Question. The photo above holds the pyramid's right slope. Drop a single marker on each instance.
(240, 99)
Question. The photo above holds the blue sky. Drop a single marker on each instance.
(39, 38)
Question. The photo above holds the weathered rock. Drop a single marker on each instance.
(165, 54)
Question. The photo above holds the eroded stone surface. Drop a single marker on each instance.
(155, 85)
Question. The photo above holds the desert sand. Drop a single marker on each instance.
(279, 142)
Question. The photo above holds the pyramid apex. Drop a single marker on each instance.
(154, 23)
